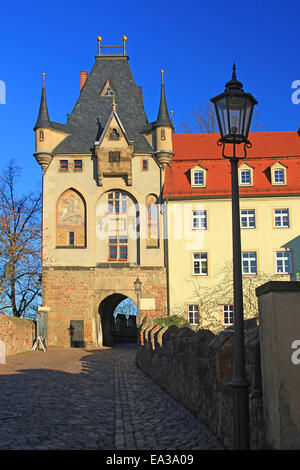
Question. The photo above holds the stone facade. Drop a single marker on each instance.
(77, 293)
(196, 368)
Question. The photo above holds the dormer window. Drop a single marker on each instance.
(245, 175)
(107, 90)
(278, 174)
(114, 156)
(198, 178)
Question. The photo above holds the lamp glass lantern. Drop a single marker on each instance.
(137, 285)
(234, 109)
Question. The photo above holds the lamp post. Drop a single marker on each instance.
(234, 110)
(138, 288)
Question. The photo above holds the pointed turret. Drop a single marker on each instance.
(163, 118)
(43, 117)
(163, 131)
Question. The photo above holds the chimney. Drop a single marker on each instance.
(83, 77)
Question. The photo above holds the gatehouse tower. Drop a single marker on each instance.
(103, 173)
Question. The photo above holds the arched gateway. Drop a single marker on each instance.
(115, 329)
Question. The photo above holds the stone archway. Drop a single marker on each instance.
(106, 312)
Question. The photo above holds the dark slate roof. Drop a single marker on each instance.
(92, 111)
(163, 118)
(43, 117)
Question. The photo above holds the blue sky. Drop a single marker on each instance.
(195, 42)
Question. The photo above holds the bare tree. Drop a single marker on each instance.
(20, 246)
(204, 120)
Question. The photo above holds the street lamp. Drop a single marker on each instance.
(234, 110)
(138, 288)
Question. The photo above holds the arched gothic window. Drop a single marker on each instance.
(70, 220)
(152, 221)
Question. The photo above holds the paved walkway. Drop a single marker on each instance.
(91, 399)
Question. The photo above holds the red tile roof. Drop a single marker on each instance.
(267, 148)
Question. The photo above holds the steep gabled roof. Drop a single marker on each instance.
(91, 112)
(267, 148)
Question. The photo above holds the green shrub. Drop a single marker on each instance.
(176, 320)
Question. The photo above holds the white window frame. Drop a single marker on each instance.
(280, 216)
(243, 172)
(199, 220)
(285, 257)
(194, 312)
(250, 213)
(202, 259)
(196, 172)
(227, 312)
(249, 260)
(276, 179)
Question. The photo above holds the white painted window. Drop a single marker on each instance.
(227, 315)
(249, 264)
(247, 218)
(199, 220)
(200, 267)
(193, 312)
(281, 218)
(283, 262)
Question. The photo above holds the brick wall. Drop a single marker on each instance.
(195, 369)
(18, 334)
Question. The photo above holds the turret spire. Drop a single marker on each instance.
(43, 117)
(163, 118)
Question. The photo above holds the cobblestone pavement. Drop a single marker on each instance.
(76, 399)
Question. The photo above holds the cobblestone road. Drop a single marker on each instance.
(91, 399)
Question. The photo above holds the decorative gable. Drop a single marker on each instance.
(114, 151)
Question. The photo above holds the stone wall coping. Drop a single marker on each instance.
(278, 286)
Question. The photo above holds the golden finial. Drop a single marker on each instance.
(124, 39)
(43, 75)
(114, 104)
(99, 39)
(162, 76)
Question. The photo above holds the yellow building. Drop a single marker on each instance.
(198, 195)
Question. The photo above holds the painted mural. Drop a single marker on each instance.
(70, 220)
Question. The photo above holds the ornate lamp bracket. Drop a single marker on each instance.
(247, 144)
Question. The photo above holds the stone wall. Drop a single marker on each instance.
(18, 334)
(75, 293)
(195, 369)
